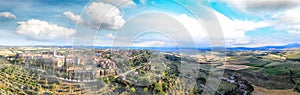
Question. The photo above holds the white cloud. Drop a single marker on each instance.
(183, 29)
(262, 6)
(282, 15)
(234, 30)
(291, 16)
(43, 30)
(99, 13)
(7, 15)
(143, 1)
(120, 3)
(110, 36)
(194, 27)
(152, 44)
(288, 20)
(294, 32)
(105, 14)
(73, 17)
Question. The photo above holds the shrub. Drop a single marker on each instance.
(132, 89)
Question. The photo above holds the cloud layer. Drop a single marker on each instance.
(280, 16)
(120, 3)
(153, 44)
(262, 6)
(288, 20)
(234, 30)
(42, 30)
(105, 14)
(7, 15)
(75, 18)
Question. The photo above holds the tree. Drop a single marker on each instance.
(30, 63)
(46, 81)
(132, 89)
(106, 80)
(158, 87)
(59, 81)
(297, 87)
(54, 86)
(162, 93)
(145, 90)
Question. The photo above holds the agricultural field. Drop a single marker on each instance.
(152, 72)
(18, 80)
(270, 70)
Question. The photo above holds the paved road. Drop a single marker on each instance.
(125, 73)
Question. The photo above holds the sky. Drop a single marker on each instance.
(149, 23)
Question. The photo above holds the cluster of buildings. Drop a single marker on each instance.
(104, 65)
(6, 53)
(96, 65)
(241, 84)
(53, 59)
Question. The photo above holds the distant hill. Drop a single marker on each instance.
(171, 49)
(294, 45)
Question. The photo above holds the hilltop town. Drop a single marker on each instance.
(56, 70)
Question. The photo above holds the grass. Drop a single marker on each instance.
(272, 64)
(273, 75)
(225, 86)
(293, 55)
(257, 62)
(238, 58)
(276, 70)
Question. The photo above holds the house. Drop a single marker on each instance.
(104, 66)
(58, 62)
(231, 81)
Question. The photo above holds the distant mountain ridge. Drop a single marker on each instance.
(294, 45)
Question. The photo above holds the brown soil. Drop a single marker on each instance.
(234, 67)
(264, 91)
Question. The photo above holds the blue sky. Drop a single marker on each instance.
(81, 22)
